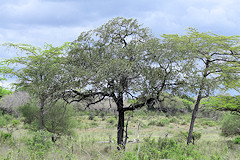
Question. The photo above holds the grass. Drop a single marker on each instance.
(96, 139)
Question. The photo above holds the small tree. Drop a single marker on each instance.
(39, 72)
(58, 120)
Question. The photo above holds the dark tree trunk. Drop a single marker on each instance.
(41, 113)
(194, 115)
(120, 132)
(195, 110)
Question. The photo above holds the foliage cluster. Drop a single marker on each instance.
(59, 118)
(237, 140)
(230, 125)
(39, 144)
(164, 148)
(4, 91)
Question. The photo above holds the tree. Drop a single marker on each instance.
(3, 91)
(11, 103)
(119, 60)
(215, 58)
(107, 63)
(226, 103)
(39, 72)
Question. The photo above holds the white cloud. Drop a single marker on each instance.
(161, 22)
(205, 16)
(37, 36)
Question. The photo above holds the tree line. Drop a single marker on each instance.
(124, 60)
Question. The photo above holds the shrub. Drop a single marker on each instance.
(183, 123)
(3, 122)
(207, 122)
(237, 140)
(39, 144)
(111, 120)
(163, 122)
(166, 148)
(152, 122)
(173, 120)
(93, 124)
(5, 136)
(230, 125)
(7, 119)
(59, 120)
(182, 136)
(30, 113)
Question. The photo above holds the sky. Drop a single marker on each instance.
(38, 22)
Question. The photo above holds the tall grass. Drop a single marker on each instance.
(96, 139)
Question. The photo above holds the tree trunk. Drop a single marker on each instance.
(195, 110)
(41, 113)
(120, 132)
(194, 115)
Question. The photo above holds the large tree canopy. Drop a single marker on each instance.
(121, 59)
(108, 62)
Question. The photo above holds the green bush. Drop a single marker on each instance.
(60, 120)
(237, 140)
(166, 148)
(173, 120)
(3, 122)
(30, 113)
(163, 122)
(183, 123)
(207, 122)
(93, 124)
(57, 119)
(230, 125)
(152, 122)
(111, 120)
(182, 136)
(7, 119)
(39, 144)
(5, 136)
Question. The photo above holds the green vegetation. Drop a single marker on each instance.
(118, 92)
(4, 91)
(230, 125)
(96, 140)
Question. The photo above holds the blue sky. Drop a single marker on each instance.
(57, 21)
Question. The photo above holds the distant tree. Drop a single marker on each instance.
(3, 69)
(226, 103)
(11, 103)
(215, 59)
(39, 72)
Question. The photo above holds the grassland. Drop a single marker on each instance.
(96, 139)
